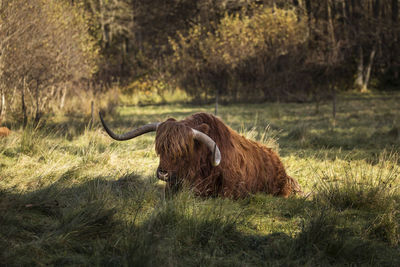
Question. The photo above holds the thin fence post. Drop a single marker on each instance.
(92, 114)
(216, 103)
(334, 106)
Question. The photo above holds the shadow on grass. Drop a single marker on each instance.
(127, 223)
(64, 224)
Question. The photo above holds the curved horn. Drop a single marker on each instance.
(131, 134)
(205, 139)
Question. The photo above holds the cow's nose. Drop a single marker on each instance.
(162, 175)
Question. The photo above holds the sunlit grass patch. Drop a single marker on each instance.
(359, 185)
(267, 136)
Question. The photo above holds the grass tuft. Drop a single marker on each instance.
(32, 139)
(268, 136)
(320, 235)
(386, 226)
(300, 133)
(360, 186)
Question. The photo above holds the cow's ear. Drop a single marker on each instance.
(203, 128)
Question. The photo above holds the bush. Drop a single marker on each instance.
(237, 53)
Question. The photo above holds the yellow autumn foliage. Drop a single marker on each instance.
(240, 36)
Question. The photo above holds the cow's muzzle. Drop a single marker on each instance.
(162, 175)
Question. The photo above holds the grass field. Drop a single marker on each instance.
(69, 195)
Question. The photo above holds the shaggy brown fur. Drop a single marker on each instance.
(4, 131)
(246, 166)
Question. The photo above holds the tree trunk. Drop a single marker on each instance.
(104, 26)
(360, 68)
(395, 49)
(395, 11)
(376, 8)
(368, 71)
(3, 107)
(11, 101)
(364, 72)
(331, 30)
(63, 95)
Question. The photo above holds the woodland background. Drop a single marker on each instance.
(61, 55)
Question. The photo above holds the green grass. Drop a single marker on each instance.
(69, 195)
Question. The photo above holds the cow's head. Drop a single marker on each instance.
(175, 144)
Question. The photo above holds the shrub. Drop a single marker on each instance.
(219, 58)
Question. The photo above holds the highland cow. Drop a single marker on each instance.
(206, 155)
(4, 131)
